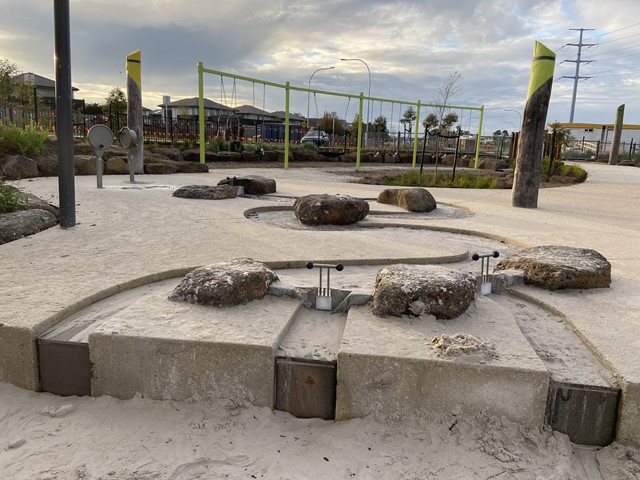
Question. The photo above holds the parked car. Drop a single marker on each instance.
(315, 136)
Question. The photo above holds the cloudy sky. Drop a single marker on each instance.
(410, 47)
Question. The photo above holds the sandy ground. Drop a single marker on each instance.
(46, 437)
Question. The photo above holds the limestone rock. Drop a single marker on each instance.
(557, 267)
(225, 284)
(252, 184)
(411, 199)
(205, 192)
(160, 168)
(422, 290)
(169, 152)
(116, 166)
(330, 209)
(19, 224)
(84, 164)
(16, 167)
(194, 156)
(190, 167)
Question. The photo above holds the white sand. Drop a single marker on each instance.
(48, 437)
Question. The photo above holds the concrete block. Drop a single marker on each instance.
(402, 376)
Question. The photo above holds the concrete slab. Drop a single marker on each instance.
(167, 350)
(388, 367)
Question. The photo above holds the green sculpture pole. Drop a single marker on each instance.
(617, 134)
(526, 180)
(134, 108)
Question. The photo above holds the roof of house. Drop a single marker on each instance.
(292, 116)
(251, 110)
(193, 102)
(38, 80)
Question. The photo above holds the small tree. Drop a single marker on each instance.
(447, 122)
(447, 90)
(353, 129)
(331, 124)
(7, 70)
(557, 138)
(116, 102)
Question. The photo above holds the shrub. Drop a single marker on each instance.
(14, 140)
(462, 180)
(10, 199)
(218, 144)
(564, 170)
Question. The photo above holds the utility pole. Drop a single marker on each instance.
(577, 61)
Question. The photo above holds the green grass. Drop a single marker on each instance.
(18, 141)
(10, 199)
(462, 180)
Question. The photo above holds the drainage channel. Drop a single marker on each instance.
(63, 350)
(583, 398)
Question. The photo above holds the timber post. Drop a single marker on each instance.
(526, 181)
(134, 108)
(617, 134)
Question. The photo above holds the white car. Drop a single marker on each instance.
(315, 136)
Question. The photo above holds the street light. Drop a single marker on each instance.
(366, 134)
(515, 111)
(309, 93)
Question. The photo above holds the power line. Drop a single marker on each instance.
(613, 31)
(618, 50)
(618, 39)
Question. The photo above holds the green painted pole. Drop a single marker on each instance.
(287, 90)
(416, 136)
(526, 179)
(617, 134)
(203, 140)
(359, 139)
(479, 137)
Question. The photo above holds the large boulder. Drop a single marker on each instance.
(225, 284)
(205, 192)
(411, 199)
(160, 168)
(190, 167)
(252, 184)
(557, 267)
(330, 209)
(47, 165)
(19, 224)
(194, 156)
(422, 290)
(85, 164)
(116, 166)
(16, 167)
(169, 152)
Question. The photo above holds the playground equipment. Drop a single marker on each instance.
(288, 88)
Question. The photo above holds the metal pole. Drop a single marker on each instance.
(309, 93)
(64, 113)
(366, 134)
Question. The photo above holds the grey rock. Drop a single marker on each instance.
(85, 164)
(16, 167)
(160, 168)
(169, 152)
(252, 184)
(330, 209)
(205, 192)
(225, 284)
(19, 224)
(422, 290)
(190, 167)
(116, 166)
(558, 267)
(411, 199)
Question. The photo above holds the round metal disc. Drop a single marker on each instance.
(100, 137)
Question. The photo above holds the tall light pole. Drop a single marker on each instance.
(519, 115)
(309, 93)
(366, 134)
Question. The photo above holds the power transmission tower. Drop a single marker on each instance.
(577, 61)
